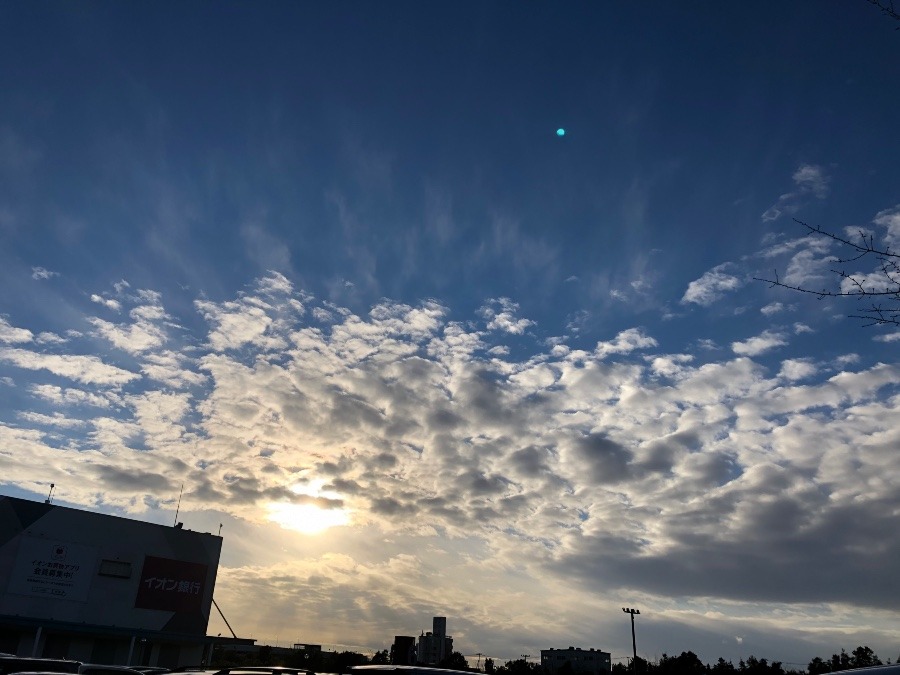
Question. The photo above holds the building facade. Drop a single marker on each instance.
(403, 651)
(103, 589)
(435, 646)
(579, 660)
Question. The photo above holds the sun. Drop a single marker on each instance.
(309, 518)
(306, 518)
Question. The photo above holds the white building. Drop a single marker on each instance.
(435, 646)
(580, 660)
(103, 589)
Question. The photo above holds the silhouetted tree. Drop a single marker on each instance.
(381, 658)
(641, 665)
(687, 663)
(840, 662)
(455, 661)
(817, 667)
(520, 667)
(723, 667)
(755, 666)
(863, 657)
(489, 666)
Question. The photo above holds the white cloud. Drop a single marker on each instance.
(760, 344)
(888, 337)
(890, 220)
(811, 178)
(321, 314)
(70, 396)
(584, 471)
(86, 369)
(772, 308)
(56, 420)
(46, 338)
(132, 338)
(624, 343)
(172, 369)
(797, 369)
(12, 335)
(810, 181)
(711, 286)
(41, 273)
(256, 318)
(107, 302)
(669, 365)
(504, 319)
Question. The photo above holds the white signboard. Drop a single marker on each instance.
(53, 569)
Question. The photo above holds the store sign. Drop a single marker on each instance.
(53, 569)
(171, 585)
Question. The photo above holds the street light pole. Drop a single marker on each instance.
(629, 610)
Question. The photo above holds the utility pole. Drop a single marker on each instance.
(629, 610)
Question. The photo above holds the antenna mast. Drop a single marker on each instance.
(50, 494)
(178, 508)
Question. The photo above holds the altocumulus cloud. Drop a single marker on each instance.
(712, 286)
(595, 473)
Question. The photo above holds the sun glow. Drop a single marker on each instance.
(308, 518)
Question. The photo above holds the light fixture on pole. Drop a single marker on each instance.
(629, 610)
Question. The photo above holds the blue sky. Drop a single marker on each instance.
(330, 267)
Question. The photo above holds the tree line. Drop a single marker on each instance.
(686, 663)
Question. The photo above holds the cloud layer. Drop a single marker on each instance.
(619, 471)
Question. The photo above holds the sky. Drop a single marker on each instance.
(329, 267)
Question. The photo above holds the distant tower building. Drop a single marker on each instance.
(436, 645)
(403, 651)
(590, 661)
(439, 626)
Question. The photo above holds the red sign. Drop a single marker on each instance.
(171, 585)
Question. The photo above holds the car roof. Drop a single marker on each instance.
(27, 664)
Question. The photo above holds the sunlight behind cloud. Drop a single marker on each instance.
(306, 518)
(309, 518)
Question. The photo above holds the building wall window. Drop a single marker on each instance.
(115, 568)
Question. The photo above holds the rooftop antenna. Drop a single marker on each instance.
(220, 529)
(50, 494)
(178, 508)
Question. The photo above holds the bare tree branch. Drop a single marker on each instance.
(887, 8)
(853, 285)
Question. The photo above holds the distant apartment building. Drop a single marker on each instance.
(403, 651)
(593, 661)
(436, 645)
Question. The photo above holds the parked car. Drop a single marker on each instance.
(38, 666)
(101, 669)
(22, 664)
